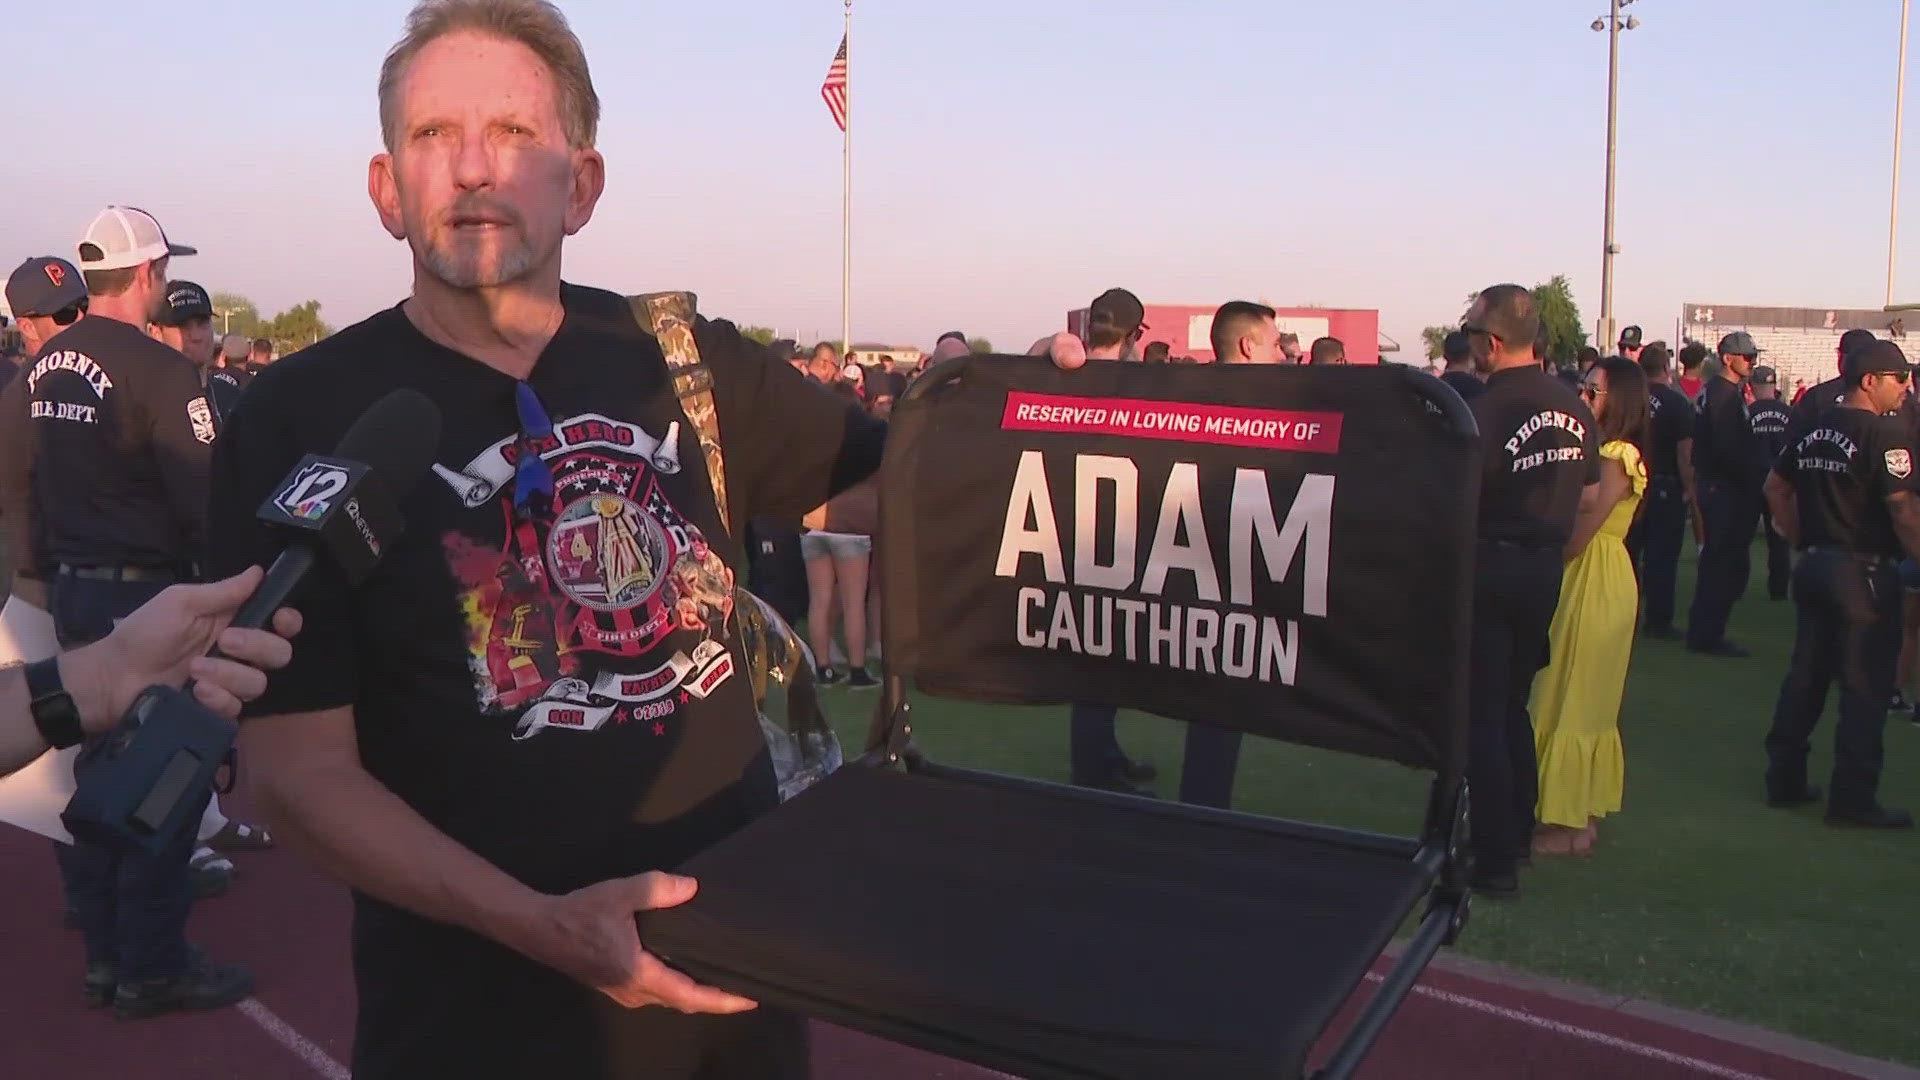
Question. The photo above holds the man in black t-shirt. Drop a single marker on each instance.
(1845, 493)
(1655, 539)
(1826, 395)
(1542, 461)
(1724, 453)
(1460, 374)
(539, 702)
(1769, 417)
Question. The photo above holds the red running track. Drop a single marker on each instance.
(290, 925)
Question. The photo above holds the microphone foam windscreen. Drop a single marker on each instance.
(396, 438)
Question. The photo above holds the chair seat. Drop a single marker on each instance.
(1040, 931)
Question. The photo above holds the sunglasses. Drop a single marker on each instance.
(1590, 391)
(532, 476)
(1897, 376)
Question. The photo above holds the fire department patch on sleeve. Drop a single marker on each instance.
(201, 418)
(1900, 463)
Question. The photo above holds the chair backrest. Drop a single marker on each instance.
(1283, 550)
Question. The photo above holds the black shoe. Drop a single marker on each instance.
(827, 676)
(204, 985)
(860, 680)
(1504, 885)
(1879, 817)
(1722, 647)
(1138, 771)
(1662, 633)
(212, 874)
(101, 980)
(1787, 800)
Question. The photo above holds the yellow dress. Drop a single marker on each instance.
(1576, 700)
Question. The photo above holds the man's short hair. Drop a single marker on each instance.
(1507, 313)
(1157, 352)
(262, 345)
(1327, 350)
(110, 282)
(1453, 347)
(1654, 360)
(1692, 355)
(1235, 320)
(536, 24)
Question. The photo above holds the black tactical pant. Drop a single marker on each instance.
(1654, 543)
(1730, 514)
(1847, 627)
(1515, 592)
(1779, 557)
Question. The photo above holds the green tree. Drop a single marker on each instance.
(296, 328)
(1435, 337)
(762, 334)
(1560, 316)
(235, 314)
(980, 345)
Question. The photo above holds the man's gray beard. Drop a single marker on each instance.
(465, 271)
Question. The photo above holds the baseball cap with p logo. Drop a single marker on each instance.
(123, 236)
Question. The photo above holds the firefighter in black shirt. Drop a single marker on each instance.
(121, 438)
(1654, 541)
(1846, 495)
(1769, 416)
(1826, 395)
(1459, 373)
(1542, 460)
(1729, 489)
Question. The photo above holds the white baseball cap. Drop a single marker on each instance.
(122, 236)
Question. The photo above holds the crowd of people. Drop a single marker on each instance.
(536, 633)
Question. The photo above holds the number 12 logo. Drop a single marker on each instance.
(310, 496)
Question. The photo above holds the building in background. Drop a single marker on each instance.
(1186, 328)
(1798, 343)
(904, 356)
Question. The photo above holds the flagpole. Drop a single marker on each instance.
(846, 202)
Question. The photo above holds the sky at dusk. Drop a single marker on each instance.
(1013, 158)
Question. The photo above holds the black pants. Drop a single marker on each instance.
(1779, 557)
(132, 905)
(1730, 515)
(1847, 627)
(1515, 592)
(1206, 774)
(1654, 543)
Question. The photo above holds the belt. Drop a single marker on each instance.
(1518, 545)
(1857, 556)
(121, 573)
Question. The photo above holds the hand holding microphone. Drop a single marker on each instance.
(147, 780)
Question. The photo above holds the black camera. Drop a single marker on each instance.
(149, 777)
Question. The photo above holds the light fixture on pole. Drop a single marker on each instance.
(1613, 24)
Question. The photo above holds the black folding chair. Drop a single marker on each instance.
(1298, 566)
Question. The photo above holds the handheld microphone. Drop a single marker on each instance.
(347, 503)
(137, 786)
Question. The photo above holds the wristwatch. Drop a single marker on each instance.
(53, 710)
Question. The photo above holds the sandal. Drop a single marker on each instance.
(239, 836)
(1553, 840)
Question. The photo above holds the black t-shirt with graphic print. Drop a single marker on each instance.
(1842, 470)
(561, 691)
(1540, 448)
(119, 448)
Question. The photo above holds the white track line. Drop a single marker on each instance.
(301, 1046)
(1574, 1031)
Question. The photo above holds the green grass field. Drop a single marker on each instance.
(1699, 896)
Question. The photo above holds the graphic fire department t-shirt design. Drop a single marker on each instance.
(607, 606)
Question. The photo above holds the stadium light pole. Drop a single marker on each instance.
(1611, 23)
(1899, 102)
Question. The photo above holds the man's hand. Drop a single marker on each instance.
(591, 935)
(166, 640)
(1066, 351)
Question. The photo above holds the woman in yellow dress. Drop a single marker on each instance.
(1576, 700)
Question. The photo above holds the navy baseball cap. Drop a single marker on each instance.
(1878, 357)
(185, 303)
(44, 286)
(1630, 338)
(1854, 339)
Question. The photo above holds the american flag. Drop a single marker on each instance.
(834, 90)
